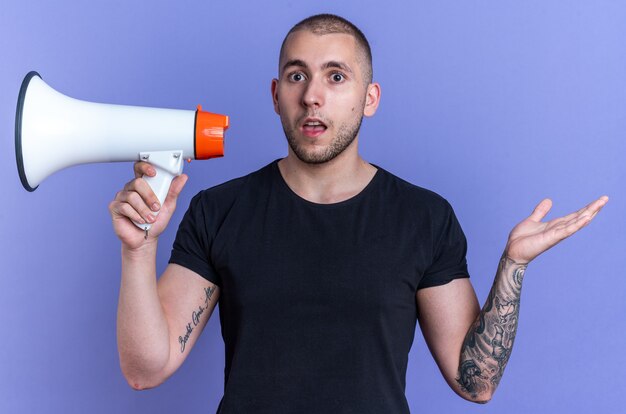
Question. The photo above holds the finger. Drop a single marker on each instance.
(121, 209)
(175, 188)
(597, 211)
(134, 200)
(541, 210)
(575, 226)
(594, 206)
(142, 168)
(571, 216)
(140, 186)
(567, 228)
(590, 209)
(576, 214)
(570, 227)
(599, 204)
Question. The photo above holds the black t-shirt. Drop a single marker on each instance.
(318, 301)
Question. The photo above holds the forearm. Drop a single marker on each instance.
(489, 341)
(142, 330)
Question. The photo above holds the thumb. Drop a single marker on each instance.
(175, 188)
(541, 210)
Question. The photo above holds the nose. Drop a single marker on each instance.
(313, 95)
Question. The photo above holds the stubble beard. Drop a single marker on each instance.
(345, 136)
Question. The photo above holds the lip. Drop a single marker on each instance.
(311, 132)
(307, 120)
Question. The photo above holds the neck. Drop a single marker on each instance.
(331, 182)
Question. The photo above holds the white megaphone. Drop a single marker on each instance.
(54, 131)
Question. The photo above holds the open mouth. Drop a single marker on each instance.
(313, 127)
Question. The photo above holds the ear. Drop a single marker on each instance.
(372, 99)
(275, 95)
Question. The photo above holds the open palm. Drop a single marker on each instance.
(532, 237)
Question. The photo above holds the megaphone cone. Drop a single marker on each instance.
(54, 131)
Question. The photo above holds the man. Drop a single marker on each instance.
(322, 262)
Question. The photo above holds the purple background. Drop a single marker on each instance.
(493, 104)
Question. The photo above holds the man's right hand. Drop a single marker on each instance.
(137, 202)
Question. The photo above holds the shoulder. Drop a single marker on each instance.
(414, 196)
(227, 192)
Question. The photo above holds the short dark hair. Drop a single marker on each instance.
(322, 24)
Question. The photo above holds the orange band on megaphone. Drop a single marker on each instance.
(210, 129)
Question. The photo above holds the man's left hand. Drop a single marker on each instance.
(532, 237)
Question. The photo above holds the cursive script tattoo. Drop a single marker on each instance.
(488, 343)
(183, 339)
(195, 318)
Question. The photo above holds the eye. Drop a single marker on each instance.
(296, 77)
(337, 77)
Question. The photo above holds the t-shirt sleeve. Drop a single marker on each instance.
(449, 261)
(193, 241)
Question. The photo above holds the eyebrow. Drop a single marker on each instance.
(338, 65)
(294, 62)
(327, 65)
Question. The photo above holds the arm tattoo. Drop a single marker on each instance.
(488, 343)
(195, 318)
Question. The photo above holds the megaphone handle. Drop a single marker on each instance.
(167, 164)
